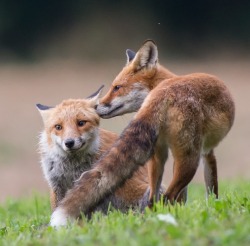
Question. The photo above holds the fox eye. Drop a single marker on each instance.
(81, 123)
(116, 88)
(58, 127)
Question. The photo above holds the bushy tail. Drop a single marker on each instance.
(133, 148)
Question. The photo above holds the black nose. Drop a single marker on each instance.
(69, 143)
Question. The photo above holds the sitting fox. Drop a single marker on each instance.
(187, 114)
(70, 145)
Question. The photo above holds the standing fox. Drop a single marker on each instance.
(188, 114)
(70, 144)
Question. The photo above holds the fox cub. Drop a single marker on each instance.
(188, 114)
(70, 145)
(192, 114)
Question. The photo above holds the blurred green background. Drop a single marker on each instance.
(53, 50)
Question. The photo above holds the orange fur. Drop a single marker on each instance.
(67, 114)
(196, 100)
(188, 114)
(53, 200)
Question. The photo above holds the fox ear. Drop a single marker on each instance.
(42, 107)
(147, 56)
(97, 93)
(130, 55)
(94, 98)
(44, 111)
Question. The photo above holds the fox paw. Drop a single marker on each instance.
(150, 204)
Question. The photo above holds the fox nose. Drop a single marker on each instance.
(69, 143)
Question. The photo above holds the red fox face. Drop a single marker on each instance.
(72, 125)
(132, 85)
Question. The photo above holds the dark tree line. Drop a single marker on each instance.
(186, 23)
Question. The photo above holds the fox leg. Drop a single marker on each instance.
(56, 195)
(155, 171)
(210, 173)
(53, 200)
(184, 170)
(182, 197)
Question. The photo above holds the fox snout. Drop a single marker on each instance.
(73, 144)
(69, 143)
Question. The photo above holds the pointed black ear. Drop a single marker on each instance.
(45, 111)
(96, 93)
(42, 107)
(130, 55)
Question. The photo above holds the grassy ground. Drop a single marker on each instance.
(200, 222)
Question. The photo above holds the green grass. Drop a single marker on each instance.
(200, 222)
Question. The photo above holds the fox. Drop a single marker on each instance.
(71, 143)
(186, 114)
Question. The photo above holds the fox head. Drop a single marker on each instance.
(132, 84)
(71, 125)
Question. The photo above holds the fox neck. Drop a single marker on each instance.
(161, 74)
